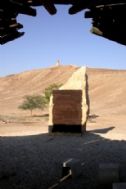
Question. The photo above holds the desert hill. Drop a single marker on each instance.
(14, 87)
(107, 88)
(31, 158)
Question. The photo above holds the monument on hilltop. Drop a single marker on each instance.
(58, 63)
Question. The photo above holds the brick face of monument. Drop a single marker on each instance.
(67, 107)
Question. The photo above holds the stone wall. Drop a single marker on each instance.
(68, 105)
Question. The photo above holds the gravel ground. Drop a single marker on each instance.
(35, 162)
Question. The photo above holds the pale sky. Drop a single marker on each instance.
(62, 36)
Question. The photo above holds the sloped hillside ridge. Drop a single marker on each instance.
(106, 88)
(107, 91)
(14, 87)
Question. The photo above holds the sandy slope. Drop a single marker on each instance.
(32, 159)
(107, 89)
(107, 94)
(14, 87)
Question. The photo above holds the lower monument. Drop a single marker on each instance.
(68, 110)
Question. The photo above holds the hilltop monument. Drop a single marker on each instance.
(68, 109)
(58, 63)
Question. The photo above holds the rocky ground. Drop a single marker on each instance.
(30, 158)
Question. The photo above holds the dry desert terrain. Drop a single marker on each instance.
(31, 158)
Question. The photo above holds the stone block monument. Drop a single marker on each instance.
(68, 108)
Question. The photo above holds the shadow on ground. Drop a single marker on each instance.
(35, 162)
(43, 115)
(103, 130)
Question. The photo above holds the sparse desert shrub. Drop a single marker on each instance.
(32, 102)
(48, 91)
